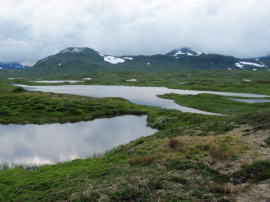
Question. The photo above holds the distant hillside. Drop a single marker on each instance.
(11, 65)
(81, 60)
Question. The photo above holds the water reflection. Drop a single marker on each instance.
(40, 144)
(58, 81)
(138, 95)
(250, 100)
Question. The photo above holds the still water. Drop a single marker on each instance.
(50, 143)
(250, 100)
(137, 95)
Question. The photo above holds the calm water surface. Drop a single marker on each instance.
(250, 100)
(50, 143)
(137, 95)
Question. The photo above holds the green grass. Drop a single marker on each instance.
(216, 104)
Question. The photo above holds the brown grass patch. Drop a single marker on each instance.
(146, 160)
(218, 154)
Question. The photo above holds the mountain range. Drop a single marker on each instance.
(11, 65)
(82, 60)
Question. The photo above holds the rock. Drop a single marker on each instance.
(31, 168)
(237, 181)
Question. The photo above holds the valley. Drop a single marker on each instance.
(188, 150)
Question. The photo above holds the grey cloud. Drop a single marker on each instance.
(37, 29)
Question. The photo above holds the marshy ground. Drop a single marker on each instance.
(193, 157)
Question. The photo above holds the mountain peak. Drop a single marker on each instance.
(185, 51)
(75, 50)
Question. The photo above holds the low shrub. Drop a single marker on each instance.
(219, 154)
(173, 143)
(256, 171)
(128, 194)
(18, 90)
(146, 160)
(179, 179)
(155, 184)
(267, 141)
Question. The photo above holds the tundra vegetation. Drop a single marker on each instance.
(192, 157)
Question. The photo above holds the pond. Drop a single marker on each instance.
(51, 143)
(137, 95)
(58, 81)
(250, 100)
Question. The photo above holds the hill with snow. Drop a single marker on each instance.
(83, 60)
(11, 65)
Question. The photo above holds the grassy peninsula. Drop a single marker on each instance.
(193, 157)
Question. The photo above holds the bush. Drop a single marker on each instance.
(39, 107)
(159, 122)
(18, 90)
(218, 154)
(173, 143)
(179, 179)
(257, 171)
(155, 185)
(267, 141)
(128, 194)
(147, 160)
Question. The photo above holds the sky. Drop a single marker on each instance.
(31, 30)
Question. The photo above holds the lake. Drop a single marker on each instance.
(51, 143)
(137, 95)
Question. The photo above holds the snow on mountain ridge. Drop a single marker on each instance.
(112, 59)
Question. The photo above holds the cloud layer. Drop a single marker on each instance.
(31, 30)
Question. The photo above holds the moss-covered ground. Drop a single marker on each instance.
(193, 157)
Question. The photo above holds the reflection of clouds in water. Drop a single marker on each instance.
(138, 95)
(60, 142)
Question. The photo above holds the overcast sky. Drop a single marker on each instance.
(33, 29)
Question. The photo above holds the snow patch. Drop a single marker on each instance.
(72, 50)
(179, 53)
(251, 63)
(132, 80)
(1, 68)
(239, 65)
(254, 69)
(148, 63)
(198, 52)
(87, 79)
(190, 54)
(59, 64)
(247, 80)
(229, 69)
(128, 58)
(113, 60)
(257, 59)
(43, 60)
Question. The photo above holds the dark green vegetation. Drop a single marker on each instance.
(40, 108)
(79, 61)
(192, 157)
